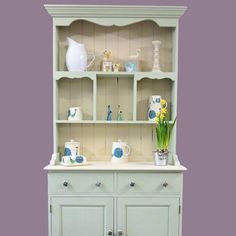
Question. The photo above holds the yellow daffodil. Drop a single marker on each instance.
(163, 103)
(164, 111)
(162, 116)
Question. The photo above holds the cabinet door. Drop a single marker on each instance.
(148, 216)
(82, 216)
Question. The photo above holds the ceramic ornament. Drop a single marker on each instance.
(156, 56)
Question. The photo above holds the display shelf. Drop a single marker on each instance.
(75, 93)
(104, 122)
(114, 91)
(145, 122)
(122, 41)
(147, 87)
(99, 74)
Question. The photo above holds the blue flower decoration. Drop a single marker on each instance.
(118, 152)
(67, 152)
(152, 114)
(79, 159)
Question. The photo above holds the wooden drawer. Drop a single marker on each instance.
(67, 183)
(149, 183)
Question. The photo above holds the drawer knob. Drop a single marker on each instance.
(132, 183)
(65, 184)
(165, 184)
(119, 233)
(109, 232)
(98, 184)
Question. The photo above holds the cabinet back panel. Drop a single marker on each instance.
(114, 92)
(121, 41)
(96, 139)
(75, 93)
(146, 88)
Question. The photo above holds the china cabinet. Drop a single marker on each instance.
(104, 198)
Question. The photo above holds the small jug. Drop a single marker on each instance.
(120, 151)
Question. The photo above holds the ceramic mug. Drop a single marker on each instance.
(154, 107)
(75, 113)
(72, 148)
(120, 151)
(66, 160)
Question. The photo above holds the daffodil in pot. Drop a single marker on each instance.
(164, 128)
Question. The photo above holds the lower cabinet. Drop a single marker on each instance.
(93, 216)
(82, 216)
(114, 203)
(148, 216)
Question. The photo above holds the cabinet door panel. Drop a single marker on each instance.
(148, 216)
(80, 216)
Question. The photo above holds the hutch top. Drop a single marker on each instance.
(121, 30)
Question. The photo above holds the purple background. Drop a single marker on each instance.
(206, 115)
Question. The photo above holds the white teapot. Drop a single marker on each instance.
(120, 151)
(76, 57)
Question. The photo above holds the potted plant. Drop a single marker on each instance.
(163, 134)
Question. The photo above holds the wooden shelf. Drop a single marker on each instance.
(146, 122)
(99, 74)
(105, 122)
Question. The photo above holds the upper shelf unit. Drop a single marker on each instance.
(121, 41)
(94, 92)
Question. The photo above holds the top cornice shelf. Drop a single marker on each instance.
(117, 11)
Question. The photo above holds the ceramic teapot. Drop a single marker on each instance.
(76, 56)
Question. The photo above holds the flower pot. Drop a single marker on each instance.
(160, 158)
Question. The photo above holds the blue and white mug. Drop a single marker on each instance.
(120, 151)
(75, 113)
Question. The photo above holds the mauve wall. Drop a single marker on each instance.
(206, 115)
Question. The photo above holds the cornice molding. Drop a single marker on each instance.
(117, 11)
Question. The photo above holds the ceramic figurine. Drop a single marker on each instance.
(109, 112)
(133, 64)
(119, 114)
(76, 56)
(116, 67)
(106, 63)
(156, 56)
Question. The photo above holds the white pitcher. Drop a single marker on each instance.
(76, 56)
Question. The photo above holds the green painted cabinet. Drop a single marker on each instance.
(135, 198)
(148, 216)
(81, 216)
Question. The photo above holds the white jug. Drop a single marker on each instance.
(76, 56)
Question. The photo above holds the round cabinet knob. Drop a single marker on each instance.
(165, 184)
(119, 233)
(65, 184)
(98, 184)
(132, 183)
(109, 232)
